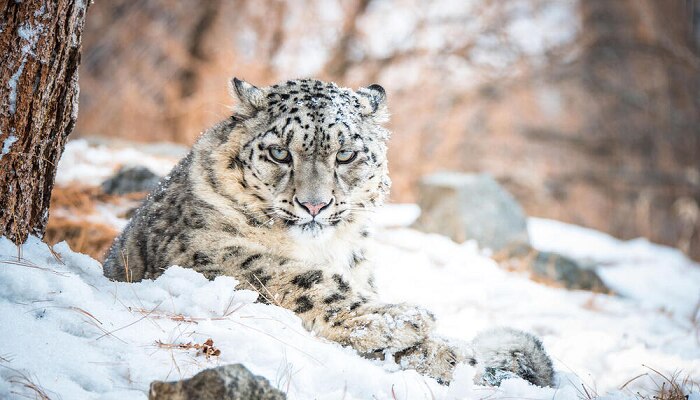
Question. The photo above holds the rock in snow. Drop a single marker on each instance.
(230, 382)
(131, 180)
(553, 267)
(571, 273)
(471, 207)
(475, 207)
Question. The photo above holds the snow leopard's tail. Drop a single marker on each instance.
(504, 353)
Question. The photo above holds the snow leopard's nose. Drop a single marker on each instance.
(313, 208)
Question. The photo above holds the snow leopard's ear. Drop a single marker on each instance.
(373, 103)
(250, 98)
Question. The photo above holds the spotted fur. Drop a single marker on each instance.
(242, 203)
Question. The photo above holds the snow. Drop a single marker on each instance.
(78, 335)
(75, 102)
(30, 33)
(91, 165)
(9, 141)
(40, 12)
(398, 215)
(82, 336)
(602, 339)
(658, 277)
(12, 85)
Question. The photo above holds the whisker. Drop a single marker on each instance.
(286, 215)
(361, 210)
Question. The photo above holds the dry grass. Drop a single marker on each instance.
(28, 264)
(153, 314)
(29, 385)
(70, 218)
(83, 236)
(26, 382)
(75, 197)
(675, 386)
(285, 374)
(268, 296)
(128, 275)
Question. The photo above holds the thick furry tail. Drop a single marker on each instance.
(504, 353)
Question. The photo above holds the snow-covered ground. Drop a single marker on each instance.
(72, 332)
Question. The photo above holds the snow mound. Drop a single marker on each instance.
(659, 277)
(78, 335)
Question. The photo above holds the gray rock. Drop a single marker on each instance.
(474, 206)
(229, 382)
(471, 206)
(569, 272)
(553, 268)
(131, 180)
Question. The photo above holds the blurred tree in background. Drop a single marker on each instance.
(588, 111)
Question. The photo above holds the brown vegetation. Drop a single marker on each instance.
(675, 386)
(28, 384)
(207, 348)
(667, 387)
(73, 218)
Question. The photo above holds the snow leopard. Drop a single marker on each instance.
(280, 196)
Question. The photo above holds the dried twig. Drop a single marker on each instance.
(207, 348)
(56, 255)
(130, 324)
(127, 273)
(672, 388)
(624, 385)
(269, 301)
(29, 264)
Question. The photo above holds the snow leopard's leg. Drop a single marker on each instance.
(326, 301)
(504, 353)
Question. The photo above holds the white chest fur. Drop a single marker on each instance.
(333, 250)
(336, 253)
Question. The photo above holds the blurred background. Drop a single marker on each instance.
(587, 111)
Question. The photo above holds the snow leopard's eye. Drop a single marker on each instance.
(279, 154)
(345, 156)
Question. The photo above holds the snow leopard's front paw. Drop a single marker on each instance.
(505, 353)
(436, 357)
(391, 327)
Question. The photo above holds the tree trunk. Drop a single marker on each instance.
(40, 45)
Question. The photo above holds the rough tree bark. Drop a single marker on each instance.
(40, 46)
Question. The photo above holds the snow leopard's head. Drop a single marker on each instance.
(312, 155)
